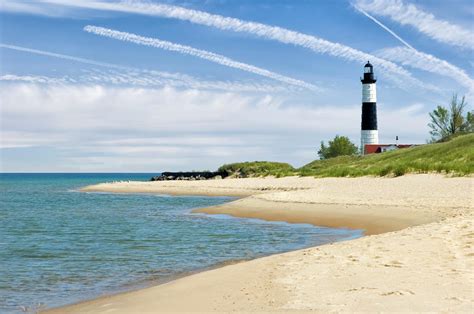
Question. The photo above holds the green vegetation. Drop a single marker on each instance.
(258, 169)
(452, 152)
(446, 122)
(339, 146)
(455, 157)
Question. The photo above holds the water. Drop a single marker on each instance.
(59, 246)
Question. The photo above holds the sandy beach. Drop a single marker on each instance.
(418, 254)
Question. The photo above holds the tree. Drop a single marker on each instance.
(448, 121)
(470, 122)
(339, 146)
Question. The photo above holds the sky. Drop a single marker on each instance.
(150, 86)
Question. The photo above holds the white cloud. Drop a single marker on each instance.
(133, 76)
(105, 128)
(427, 62)
(395, 73)
(32, 79)
(203, 54)
(65, 57)
(409, 56)
(29, 7)
(147, 80)
(17, 139)
(425, 22)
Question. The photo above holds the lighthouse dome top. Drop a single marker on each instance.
(369, 77)
(368, 68)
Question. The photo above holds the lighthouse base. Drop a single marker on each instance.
(368, 137)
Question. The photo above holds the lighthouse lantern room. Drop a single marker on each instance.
(369, 133)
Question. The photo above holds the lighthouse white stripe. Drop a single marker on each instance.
(369, 93)
(368, 137)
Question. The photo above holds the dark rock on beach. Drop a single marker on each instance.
(190, 176)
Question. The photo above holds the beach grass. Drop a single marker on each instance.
(258, 169)
(454, 157)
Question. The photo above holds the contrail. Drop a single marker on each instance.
(173, 79)
(420, 60)
(384, 27)
(66, 57)
(425, 22)
(391, 70)
(414, 58)
(203, 54)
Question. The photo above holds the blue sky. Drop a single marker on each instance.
(152, 109)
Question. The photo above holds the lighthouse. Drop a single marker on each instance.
(369, 133)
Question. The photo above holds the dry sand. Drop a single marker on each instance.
(419, 255)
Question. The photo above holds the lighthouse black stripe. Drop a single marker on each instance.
(369, 116)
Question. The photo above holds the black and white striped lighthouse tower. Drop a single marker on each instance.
(369, 133)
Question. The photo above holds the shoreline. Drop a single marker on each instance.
(391, 210)
(145, 284)
(70, 308)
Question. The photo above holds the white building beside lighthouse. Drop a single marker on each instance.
(369, 133)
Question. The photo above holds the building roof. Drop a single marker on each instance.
(377, 148)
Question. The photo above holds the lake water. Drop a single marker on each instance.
(59, 246)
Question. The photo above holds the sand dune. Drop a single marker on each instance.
(419, 256)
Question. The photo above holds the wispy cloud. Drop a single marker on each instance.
(140, 79)
(203, 54)
(29, 7)
(65, 57)
(390, 70)
(32, 79)
(166, 75)
(425, 22)
(410, 56)
(427, 62)
(133, 76)
(149, 79)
